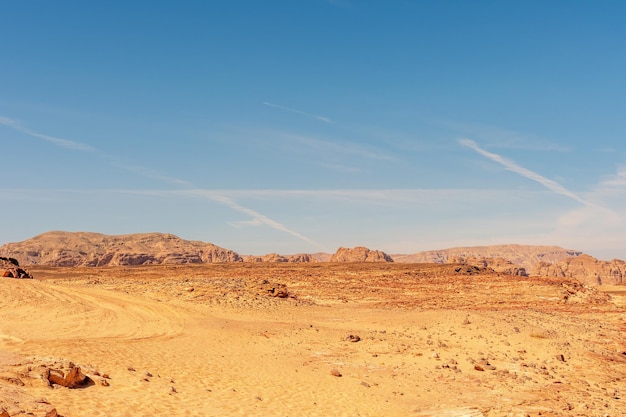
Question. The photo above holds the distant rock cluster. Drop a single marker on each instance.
(274, 257)
(497, 264)
(10, 268)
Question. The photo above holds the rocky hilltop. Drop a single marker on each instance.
(359, 254)
(95, 249)
(586, 269)
(525, 256)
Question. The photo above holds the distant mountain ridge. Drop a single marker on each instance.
(526, 256)
(95, 249)
(60, 248)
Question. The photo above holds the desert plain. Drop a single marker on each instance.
(318, 339)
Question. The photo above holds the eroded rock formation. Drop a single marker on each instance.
(359, 254)
(10, 268)
(497, 264)
(586, 269)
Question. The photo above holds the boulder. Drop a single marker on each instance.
(73, 378)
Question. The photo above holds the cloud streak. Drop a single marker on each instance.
(531, 175)
(300, 112)
(257, 218)
(64, 143)
(347, 148)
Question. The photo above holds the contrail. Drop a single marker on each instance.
(300, 112)
(261, 218)
(512, 166)
(145, 172)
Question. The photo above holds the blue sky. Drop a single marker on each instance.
(302, 126)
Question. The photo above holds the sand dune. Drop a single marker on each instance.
(210, 341)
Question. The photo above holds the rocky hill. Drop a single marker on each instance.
(586, 269)
(359, 254)
(525, 256)
(274, 257)
(95, 249)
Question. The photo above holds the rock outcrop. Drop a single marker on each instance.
(95, 249)
(525, 256)
(359, 254)
(585, 269)
(10, 268)
(497, 264)
(274, 257)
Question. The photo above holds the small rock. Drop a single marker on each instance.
(4, 413)
(365, 384)
(560, 357)
(131, 369)
(148, 374)
(353, 338)
(104, 383)
(335, 372)
(479, 368)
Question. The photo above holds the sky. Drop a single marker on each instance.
(302, 126)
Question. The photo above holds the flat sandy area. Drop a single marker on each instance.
(313, 340)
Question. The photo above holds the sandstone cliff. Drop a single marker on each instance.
(526, 256)
(95, 249)
(359, 254)
(586, 269)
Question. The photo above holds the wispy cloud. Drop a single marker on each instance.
(346, 148)
(506, 138)
(300, 112)
(531, 175)
(64, 143)
(257, 218)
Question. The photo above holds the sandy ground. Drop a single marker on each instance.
(407, 340)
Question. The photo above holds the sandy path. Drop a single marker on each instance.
(179, 358)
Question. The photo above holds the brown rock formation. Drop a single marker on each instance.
(359, 254)
(95, 249)
(10, 268)
(73, 378)
(586, 269)
(497, 264)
